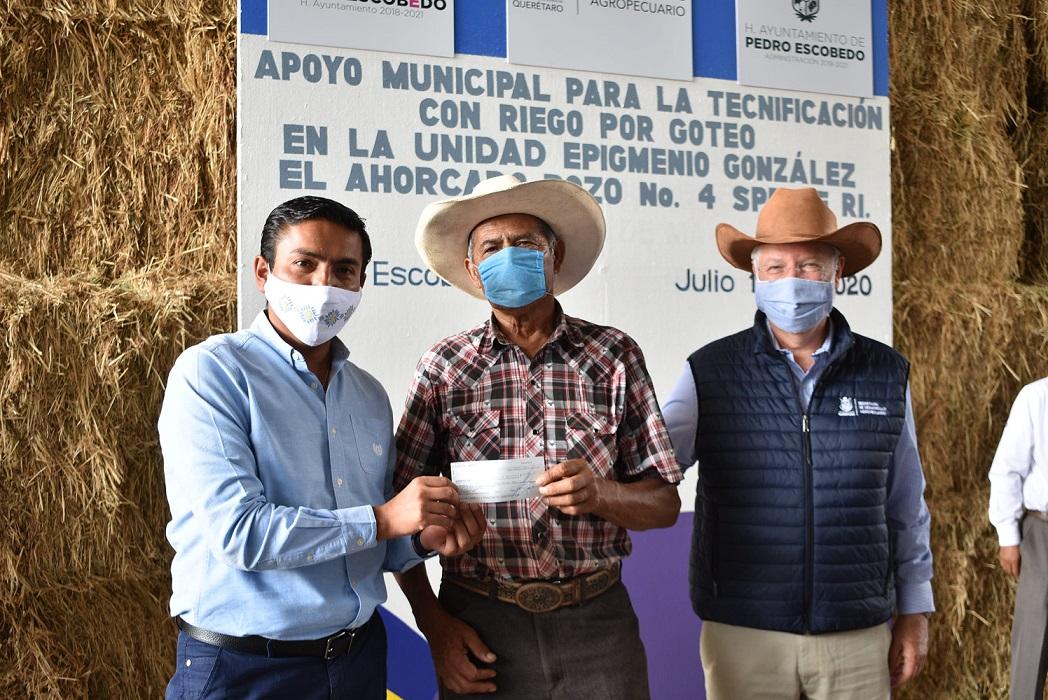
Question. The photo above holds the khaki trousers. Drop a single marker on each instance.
(741, 662)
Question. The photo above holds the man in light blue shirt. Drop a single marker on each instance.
(811, 532)
(278, 459)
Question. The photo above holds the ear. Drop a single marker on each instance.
(558, 255)
(261, 273)
(474, 274)
(363, 278)
(840, 271)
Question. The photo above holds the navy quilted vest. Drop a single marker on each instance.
(790, 526)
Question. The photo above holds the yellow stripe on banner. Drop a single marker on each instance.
(390, 695)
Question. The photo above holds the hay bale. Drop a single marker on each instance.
(1034, 150)
(972, 347)
(1037, 42)
(956, 193)
(79, 456)
(117, 137)
(958, 90)
(959, 48)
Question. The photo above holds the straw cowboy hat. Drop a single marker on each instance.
(570, 211)
(800, 216)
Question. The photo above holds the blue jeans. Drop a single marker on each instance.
(206, 671)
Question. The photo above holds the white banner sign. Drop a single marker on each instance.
(629, 37)
(812, 45)
(408, 26)
(387, 134)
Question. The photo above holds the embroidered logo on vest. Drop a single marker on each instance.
(852, 407)
(872, 408)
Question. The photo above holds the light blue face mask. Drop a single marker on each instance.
(513, 277)
(794, 304)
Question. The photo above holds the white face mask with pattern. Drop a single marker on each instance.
(313, 313)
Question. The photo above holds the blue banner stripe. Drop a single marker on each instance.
(480, 30)
(879, 32)
(253, 14)
(410, 667)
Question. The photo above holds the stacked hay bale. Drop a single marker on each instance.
(971, 310)
(118, 201)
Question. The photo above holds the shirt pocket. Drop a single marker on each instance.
(374, 438)
(591, 436)
(474, 435)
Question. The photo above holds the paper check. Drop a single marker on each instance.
(497, 480)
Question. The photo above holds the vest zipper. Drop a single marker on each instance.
(809, 518)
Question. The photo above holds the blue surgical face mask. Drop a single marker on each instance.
(514, 277)
(794, 304)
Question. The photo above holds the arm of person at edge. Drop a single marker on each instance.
(909, 523)
(908, 520)
(208, 453)
(1011, 466)
(646, 497)
(453, 644)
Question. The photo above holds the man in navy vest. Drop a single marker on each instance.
(811, 531)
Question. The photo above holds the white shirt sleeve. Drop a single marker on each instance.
(681, 413)
(1011, 465)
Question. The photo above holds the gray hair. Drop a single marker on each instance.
(544, 228)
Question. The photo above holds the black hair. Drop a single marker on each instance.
(295, 211)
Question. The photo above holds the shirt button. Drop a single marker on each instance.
(549, 402)
(339, 482)
(360, 541)
(333, 431)
(536, 431)
(313, 385)
(491, 523)
(189, 662)
(309, 557)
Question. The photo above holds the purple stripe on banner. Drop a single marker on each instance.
(656, 574)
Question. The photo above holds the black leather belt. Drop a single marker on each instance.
(328, 648)
(542, 596)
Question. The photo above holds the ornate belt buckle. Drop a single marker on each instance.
(538, 597)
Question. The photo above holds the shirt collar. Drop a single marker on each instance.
(263, 329)
(826, 346)
(489, 337)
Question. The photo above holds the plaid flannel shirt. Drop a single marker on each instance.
(586, 394)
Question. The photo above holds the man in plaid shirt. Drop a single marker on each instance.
(537, 609)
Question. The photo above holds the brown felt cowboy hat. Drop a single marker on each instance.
(569, 210)
(800, 216)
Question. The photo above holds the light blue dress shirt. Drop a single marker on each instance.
(907, 512)
(271, 480)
